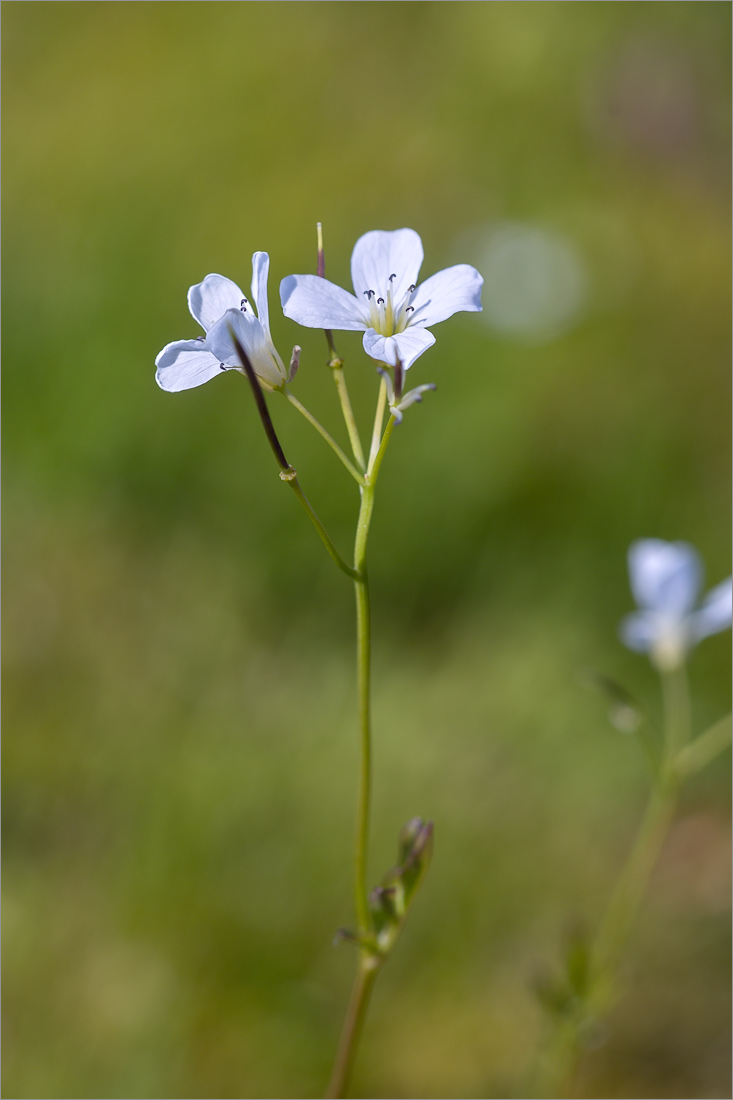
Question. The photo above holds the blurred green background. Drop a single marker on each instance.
(180, 744)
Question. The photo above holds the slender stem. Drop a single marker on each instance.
(363, 672)
(355, 1015)
(287, 473)
(338, 376)
(378, 421)
(370, 960)
(376, 462)
(694, 757)
(326, 435)
(627, 898)
(337, 367)
(630, 889)
(294, 484)
(676, 710)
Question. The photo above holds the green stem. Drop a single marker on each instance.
(627, 898)
(628, 895)
(676, 696)
(338, 374)
(294, 484)
(287, 473)
(356, 1013)
(700, 752)
(369, 961)
(376, 461)
(326, 435)
(378, 421)
(363, 670)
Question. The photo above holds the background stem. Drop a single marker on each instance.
(626, 900)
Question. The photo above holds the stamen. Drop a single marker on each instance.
(222, 366)
(243, 309)
(369, 293)
(392, 277)
(201, 339)
(243, 303)
(411, 288)
(409, 309)
(380, 301)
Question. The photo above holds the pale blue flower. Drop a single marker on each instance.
(387, 304)
(666, 578)
(218, 305)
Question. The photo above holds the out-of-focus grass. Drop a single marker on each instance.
(179, 746)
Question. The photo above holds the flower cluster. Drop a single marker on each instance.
(389, 306)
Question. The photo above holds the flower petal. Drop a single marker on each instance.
(209, 300)
(450, 291)
(185, 364)
(265, 361)
(260, 269)
(318, 303)
(638, 631)
(382, 253)
(716, 612)
(665, 576)
(408, 345)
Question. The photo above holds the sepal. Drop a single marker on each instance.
(398, 402)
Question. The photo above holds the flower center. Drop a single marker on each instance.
(389, 315)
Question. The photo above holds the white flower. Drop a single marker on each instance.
(218, 305)
(387, 304)
(666, 578)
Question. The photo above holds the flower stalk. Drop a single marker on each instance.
(287, 472)
(393, 313)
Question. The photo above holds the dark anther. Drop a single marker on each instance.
(409, 309)
(201, 339)
(243, 302)
(369, 293)
(222, 366)
(243, 309)
(392, 277)
(380, 301)
(411, 287)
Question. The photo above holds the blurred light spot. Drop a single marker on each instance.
(535, 281)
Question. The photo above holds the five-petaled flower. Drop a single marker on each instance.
(220, 306)
(666, 578)
(388, 304)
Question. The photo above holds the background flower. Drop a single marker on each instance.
(666, 578)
